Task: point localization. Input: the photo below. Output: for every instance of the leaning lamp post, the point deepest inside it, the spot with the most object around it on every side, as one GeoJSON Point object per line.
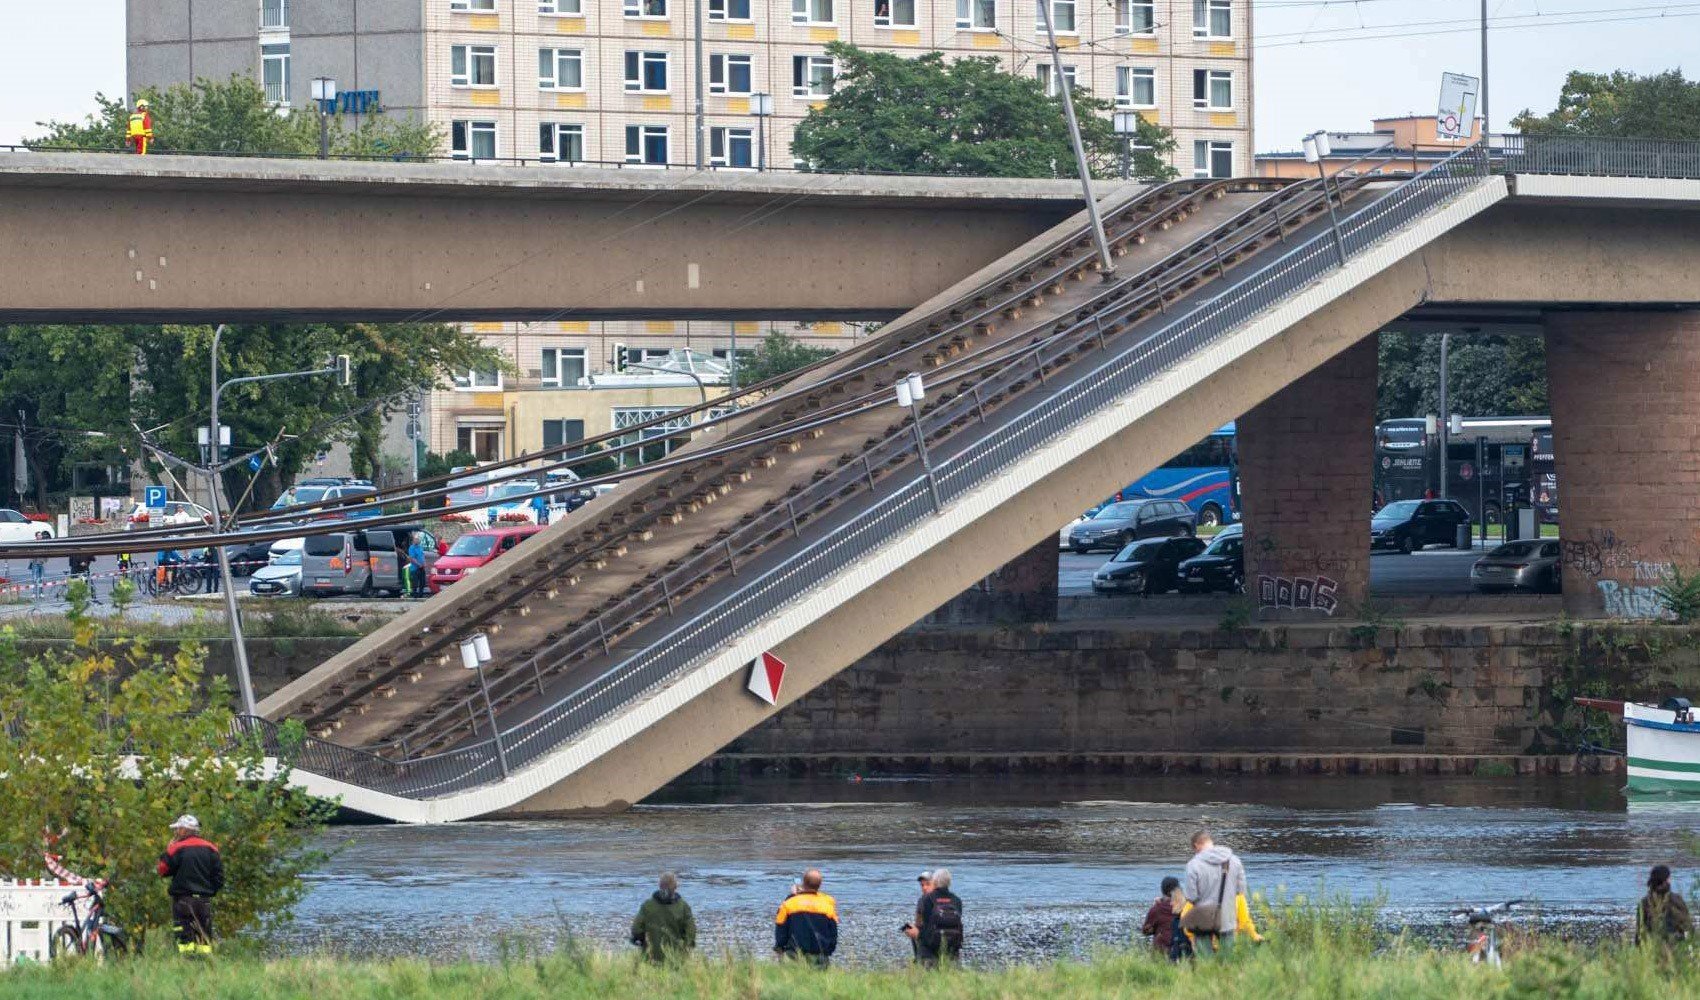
{"type": "Point", "coordinates": [1317, 150]}
{"type": "Point", "coordinates": [474, 653]}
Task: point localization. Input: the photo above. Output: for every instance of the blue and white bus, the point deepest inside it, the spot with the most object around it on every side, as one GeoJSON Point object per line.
{"type": "Point", "coordinates": [1205, 477]}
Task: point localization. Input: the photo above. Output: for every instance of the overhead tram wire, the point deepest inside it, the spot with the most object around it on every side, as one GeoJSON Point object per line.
{"type": "Point", "coordinates": [1471, 29]}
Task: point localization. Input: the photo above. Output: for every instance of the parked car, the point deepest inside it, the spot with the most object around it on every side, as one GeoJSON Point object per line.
{"type": "Point", "coordinates": [1531, 564]}
{"type": "Point", "coordinates": [1221, 566]}
{"type": "Point", "coordinates": [1408, 525]}
{"type": "Point", "coordinates": [1147, 567]}
{"type": "Point", "coordinates": [367, 561]}
{"type": "Point", "coordinates": [176, 512]}
{"type": "Point", "coordinates": [246, 560]}
{"type": "Point", "coordinates": [279, 578]}
{"type": "Point", "coordinates": [474, 550]}
{"type": "Point", "coordinates": [1117, 524]}
{"type": "Point", "coordinates": [15, 527]}
{"type": "Point", "coordinates": [508, 504]}
{"type": "Point", "coordinates": [319, 492]}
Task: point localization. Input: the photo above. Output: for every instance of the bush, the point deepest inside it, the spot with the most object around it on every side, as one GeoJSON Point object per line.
{"type": "Point", "coordinates": [1679, 593]}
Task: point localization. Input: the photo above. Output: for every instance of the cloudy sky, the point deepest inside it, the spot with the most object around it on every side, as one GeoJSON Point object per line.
{"type": "Point", "coordinates": [1319, 63]}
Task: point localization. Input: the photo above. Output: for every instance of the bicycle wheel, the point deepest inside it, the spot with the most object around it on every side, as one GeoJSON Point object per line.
{"type": "Point", "coordinates": [112, 943]}
{"type": "Point", "coordinates": [65, 942]}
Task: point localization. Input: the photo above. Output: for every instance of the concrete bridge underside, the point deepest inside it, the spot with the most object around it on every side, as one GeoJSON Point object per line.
{"type": "Point", "coordinates": [100, 238]}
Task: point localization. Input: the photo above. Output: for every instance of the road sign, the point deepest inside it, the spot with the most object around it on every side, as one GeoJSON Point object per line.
{"type": "Point", "coordinates": [767, 672]}
{"type": "Point", "coordinates": [154, 498]}
{"type": "Point", "coordinates": [1456, 118]}
{"type": "Point", "coordinates": [254, 463]}
{"type": "Point", "coordinates": [1466, 471]}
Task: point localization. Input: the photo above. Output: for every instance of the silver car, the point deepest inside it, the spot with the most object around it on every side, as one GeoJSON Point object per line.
{"type": "Point", "coordinates": [281, 577]}
{"type": "Point", "coordinates": [1534, 564]}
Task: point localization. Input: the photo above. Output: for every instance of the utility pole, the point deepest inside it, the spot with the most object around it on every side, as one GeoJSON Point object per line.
{"type": "Point", "coordinates": [1445, 412]}
{"type": "Point", "coordinates": [1484, 70]}
{"type": "Point", "coordinates": [702, 128]}
{"type": "Point", "coordinates": [215, 464]}
{"type": "Point", "coordinates": [1107, 267]}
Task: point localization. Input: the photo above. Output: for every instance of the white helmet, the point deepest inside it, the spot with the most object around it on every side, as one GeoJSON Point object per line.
{"type": "Point", "coordinates": [186, 822]}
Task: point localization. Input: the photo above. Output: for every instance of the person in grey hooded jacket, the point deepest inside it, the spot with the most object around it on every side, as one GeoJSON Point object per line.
{"type": "Point", "coordinates": [1214, 878]}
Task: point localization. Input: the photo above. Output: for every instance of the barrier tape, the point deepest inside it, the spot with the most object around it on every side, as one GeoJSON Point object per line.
{"type": "Point", "coordinates": [8, 587]}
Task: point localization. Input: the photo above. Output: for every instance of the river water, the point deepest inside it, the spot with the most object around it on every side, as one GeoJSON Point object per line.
{"type": "Point", "coordinates": [1046, 866]}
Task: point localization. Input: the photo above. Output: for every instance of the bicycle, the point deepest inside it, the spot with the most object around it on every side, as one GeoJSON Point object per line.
{"type": "Point", "coordinates": [1482, 944]}
{"type": "Point", "coordinates": [89, 933]}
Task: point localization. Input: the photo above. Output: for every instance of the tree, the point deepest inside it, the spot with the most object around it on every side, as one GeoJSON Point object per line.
{"type": "Point", "coordinates": [777, 355]}
{"type": "Point", "coordinates": [108, 743]}
{"type": "Point", "coordinates": [1490, 375]}
{"type": "Point", "coordinates": [965, 116]}
{"type": "Point", "coordinates": [1624, 105]}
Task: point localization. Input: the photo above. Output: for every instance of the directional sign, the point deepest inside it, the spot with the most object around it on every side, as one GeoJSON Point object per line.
{"type": "Point", "coordinates": [1456, 118]}
{"type": "Point", "coordinates": [766, 673]}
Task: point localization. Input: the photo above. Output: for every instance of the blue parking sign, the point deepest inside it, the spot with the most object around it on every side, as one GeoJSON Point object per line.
{"type": "Point", "coordinates": [154, 497]}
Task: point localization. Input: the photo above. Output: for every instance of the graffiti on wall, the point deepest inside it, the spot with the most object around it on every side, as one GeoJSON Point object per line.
{"type": "Point", "coordinates": [1302, 593]}
{"type": "Point", "coordinates": [1638, 598]}
{"type": "Point", "coordinates": [1600, 552]}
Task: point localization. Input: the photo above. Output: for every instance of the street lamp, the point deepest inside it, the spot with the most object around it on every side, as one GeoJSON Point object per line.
{"type": "Point", "coordinates": [1317, 150]}
{"type": "Point", "coordinates": [1127, 126]}
{"type": "Point", "coordinates": [911, 390]}
{"type": "Point", "coordinates": [324, 95]}
{"type": "Point", "coordinates": [761, 105]}
{"type": "Point", "coordinates": [474, 653]}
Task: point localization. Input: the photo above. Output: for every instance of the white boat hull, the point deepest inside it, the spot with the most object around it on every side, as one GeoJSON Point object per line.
{"type": "Point", "coordinates": [1664, 754]}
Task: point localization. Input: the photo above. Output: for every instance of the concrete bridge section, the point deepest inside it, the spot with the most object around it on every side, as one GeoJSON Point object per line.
{"type": "Point", "coordinates": [104, 238]}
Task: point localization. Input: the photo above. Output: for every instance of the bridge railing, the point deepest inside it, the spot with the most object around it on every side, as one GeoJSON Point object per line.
{"type": "Point", "coordinates": [1587, 156]}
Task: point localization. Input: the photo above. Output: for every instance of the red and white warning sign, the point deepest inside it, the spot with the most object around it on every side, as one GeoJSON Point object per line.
{"type": "Point", "coordinates": [767, 672]}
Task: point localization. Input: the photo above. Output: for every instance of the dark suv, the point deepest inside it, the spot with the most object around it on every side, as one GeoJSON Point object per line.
{"type": "Point", "coordinates": [1408, 525]}
{"type": "Point", "coordinates": [1117, 524]}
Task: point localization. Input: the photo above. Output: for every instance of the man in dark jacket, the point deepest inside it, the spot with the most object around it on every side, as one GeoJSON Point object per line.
{"type": "Point", "coordinates": [665, 928]}
{"type": "Point", "coordinates": [807, 923]}
{"type": "Point", "coordinates": [197, 875]}
{"type": "Point", "coordinates": [941, 922]}
{"type": "Point", "coordinates": [1663, 915]}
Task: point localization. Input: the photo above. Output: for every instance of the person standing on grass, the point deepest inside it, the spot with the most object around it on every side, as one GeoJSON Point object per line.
{"type": "Point", "coordinates": [806, 926]}
{"type": "Point", "coordinates": [1159, 923]}
{"type": "Point", "coordinates": [665, 928]}
{"type": "Point", "coordinates": [1663, 915]}
{"type": "Point", "coordinates": [941, 922]}
{"type": "Point", "coordinates": [1213, 878]}
{"type": "Point", "coordinates": [196, 872]}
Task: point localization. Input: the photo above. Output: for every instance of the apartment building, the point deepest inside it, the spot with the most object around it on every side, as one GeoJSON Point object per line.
{"type": "Point", "coordinates": [573, 84]}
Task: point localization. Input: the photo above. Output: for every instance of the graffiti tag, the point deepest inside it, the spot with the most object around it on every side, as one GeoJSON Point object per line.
{"type": "Point", "coordinates": [1631, 602]}
{"type": "Point", "coordinates": [1302, 593]}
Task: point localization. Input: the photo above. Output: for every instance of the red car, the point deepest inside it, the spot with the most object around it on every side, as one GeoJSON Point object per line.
{"type": "Point", "coordinates": [475, 549]}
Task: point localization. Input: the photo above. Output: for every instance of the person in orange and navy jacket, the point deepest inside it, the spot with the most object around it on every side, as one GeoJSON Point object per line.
{"type": "Point", "coordinates": [197, 874]}
{"type": "Point", "coordinates": [807, 923]}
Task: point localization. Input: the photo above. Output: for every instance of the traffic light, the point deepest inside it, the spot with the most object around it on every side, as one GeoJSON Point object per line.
{"type": "Point", "coordinates": [617, 363]}
{"type": "Point", "coordinates": [344, 370]}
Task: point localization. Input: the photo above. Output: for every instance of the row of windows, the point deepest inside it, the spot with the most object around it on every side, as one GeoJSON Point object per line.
{"type": "Point", "coordinates": [562, 367]}
{"type": "Point", "coordinates": [1210, 18]}
{"type": "Point", "coordinates": [1136, 86]}
{"type": "Point", "coordinates": [646, 72]}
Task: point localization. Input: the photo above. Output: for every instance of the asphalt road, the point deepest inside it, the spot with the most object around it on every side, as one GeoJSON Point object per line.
{"type": "Point", "coordinates": [1431, 571]}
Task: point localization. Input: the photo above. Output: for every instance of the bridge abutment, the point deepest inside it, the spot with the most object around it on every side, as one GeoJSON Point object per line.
{"type": "Point", "coordinates": [1626, 435]}
{"type": "Point", "coordinates": [1306, 479]}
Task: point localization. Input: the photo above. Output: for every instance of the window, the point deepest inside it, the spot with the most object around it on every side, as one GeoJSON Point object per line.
{"type": "Point", "coordinates": [1212, 158]}
{"type": "Point", "coordinates": [274, 14]}
{"type": "Point", "coordinates": [563, 366]}
{"type": "Point", "coordinates": [646, 144]}
{"type": "Point", "coordinates": [274, 72]}
{"type": "Point", "coordinates": [472, 65]}
{"type": "Point", "coordinates": [631, 416]}
{"type": "Point", "coordinates": [1213, 18]}
{"type": "Point", "coordinates": [477, 380]}
{"type": "Point", "coordinates": [472, 4]}
{"type": "Point", "coordinates": [646, 72]}
{"type": "Point", "coordinates": [731, 147]}
{"type": "Point", "coordinates": [645, 8]}
{"type": "Point", "coordinates": [472, 140]}
{"type": "Point", "coordinates": [1136, 17]}
{"type": "Point", "coordinates": [1062, 13]}
{"type": "Point", "coordinates": [812, 12]}
{"type": "Point", "coordinates": [811, 76]}
{"type": "Point", "coordinates": [574, 8]}
{"type": "Point", "coordinates": [559, 432]}
{"type": "Point", "coordinates": [560, 143]}
{"type": "Point", "coordinates": [560, 69]}
{"type": "Point", "coordinates": [644, 356]}
{"type": "Point", "coordinates": [1044, 72]}
{"type": "Point", "coordinates": [485, 444]}
{"type": "Point", "coordinates": [1136, 87]}
{"type": "Point", "coordinates": [894, 13]}
{"type": "Point", "coordinates": [977, 15]}
{"type": "Point", "coordinates": [728, 74]}
{"type": "Point", "coordinates": [1213, 89]}
{"type": "Point", "coordinates": [728, 10]}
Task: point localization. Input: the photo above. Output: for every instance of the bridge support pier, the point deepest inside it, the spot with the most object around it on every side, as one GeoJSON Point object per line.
{"type": "Point", "coordinates": [1306, 480]}
{"type": "Point", "coordinates": [1626, 439]}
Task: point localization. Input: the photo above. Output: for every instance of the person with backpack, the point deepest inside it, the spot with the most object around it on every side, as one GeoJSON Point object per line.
{"type": "Point", "coordinates": [1213, 879]}
{"type": "Point", "coordinates": [1663, 915]}
{"type": "Point", "coordinates": [665, 928]}
{"type": "Point", "coordinates": [940, 918]}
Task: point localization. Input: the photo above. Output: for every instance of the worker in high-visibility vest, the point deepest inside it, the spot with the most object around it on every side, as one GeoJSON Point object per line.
{"type": "Point", "coordinates": [141, 128]}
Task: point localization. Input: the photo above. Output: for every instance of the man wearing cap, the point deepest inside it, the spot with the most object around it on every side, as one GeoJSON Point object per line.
{"type": "Point", "coordinates": [197, 874]}
{"type": "Point", "coordinates": [913, 931]}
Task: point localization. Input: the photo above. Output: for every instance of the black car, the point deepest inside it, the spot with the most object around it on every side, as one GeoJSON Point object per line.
{"type": "Point", "coordinates": [246, 560]}
{"type": "Point", "coordinates": [1117, 524]}
{"type": "Point", "coordinates": [1221, 566]}
{"type": "Point", "coordinates": [1147, 567]}
{"type": "Point", "coordinates": [1408, 525]}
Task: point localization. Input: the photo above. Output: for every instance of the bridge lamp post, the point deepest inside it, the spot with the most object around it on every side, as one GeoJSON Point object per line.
{"type": "Point", "coordinates": [1317, 150]}
{"type": "Point", "coordinates": [474, 653]}
{"type": "Point", "coordinates": [761, 106]}
{"type": "Point", "coordinates": [324, 95]}
{"type": "Point", "coordinates": [1107, 267]}
{"type": "Point", "coordinates": [1126, 126]}
{"type": "Point", "coordinates": [911, 390]}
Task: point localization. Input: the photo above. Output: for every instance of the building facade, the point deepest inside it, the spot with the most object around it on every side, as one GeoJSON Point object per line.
{"type": "Point", "coordinates": [576, 84]}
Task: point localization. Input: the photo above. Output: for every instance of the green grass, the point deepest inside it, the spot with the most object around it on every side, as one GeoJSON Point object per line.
{"type": "Point", "coordinates": [292, 619]}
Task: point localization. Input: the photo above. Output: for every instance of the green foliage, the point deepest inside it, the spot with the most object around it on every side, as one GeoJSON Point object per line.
{"type": "Point", "coordinates": [965, 116]}
{"type": "Point", "coordinates": [1237, 615]}
{"type": "Point", "coordinates": [436, 465]}
{"type": "Point", "coordinates": [1490, 375]}
{"type": "Point", "coordinates": [1625, 105]}
{"type": "Point", "coordinates": [1679, 593]}
{"type": "Point", "coordinates": [778, 355]}
{"type": "Point", "coordinates": [109, 744]}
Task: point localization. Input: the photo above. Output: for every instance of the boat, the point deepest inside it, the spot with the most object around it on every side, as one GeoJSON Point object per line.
{"type": "Point", "coordinates": [1664, 743]}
